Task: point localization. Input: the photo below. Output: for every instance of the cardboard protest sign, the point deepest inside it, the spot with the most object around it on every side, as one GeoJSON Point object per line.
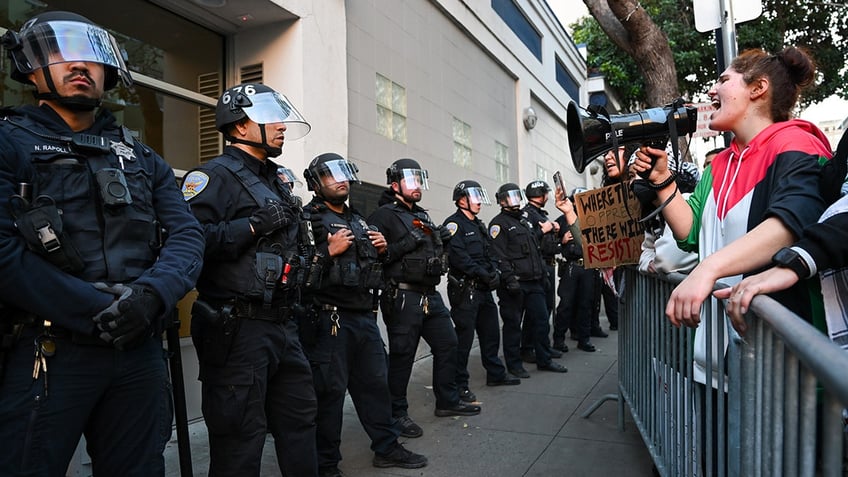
{"type": "Point", "coordinates": [609, 226]}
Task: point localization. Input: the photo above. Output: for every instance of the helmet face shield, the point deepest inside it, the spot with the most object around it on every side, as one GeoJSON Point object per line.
{"type": "Point", "coordinates": [333, 172]}
{"type": "Point", "coordinates": [477, 195]}
{"type": "Point", "coordinates": [288, 177]}
{"type": "Point", "coordinates": [61, 41]}
{"type": "Point", "coordinates": [273, 107]}
{"type": "Point", "coordinates": [513, 198]}
{"type": "Point", "coordinates": [413, 179]}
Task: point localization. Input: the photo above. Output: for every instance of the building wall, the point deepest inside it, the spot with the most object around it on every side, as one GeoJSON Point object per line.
{"type": "Point", "coordinates": [457, 59]}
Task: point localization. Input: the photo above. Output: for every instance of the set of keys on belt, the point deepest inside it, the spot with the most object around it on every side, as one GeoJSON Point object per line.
{"type": "Point", "coordinates": [45, 347]}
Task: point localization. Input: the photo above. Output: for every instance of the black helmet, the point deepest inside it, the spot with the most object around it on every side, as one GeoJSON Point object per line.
{"type": "Point", "coordinates": [332, 165]}
{"type": "Point", "coordinates": [288, 176]}
{"type": "Point", "coordinates": [575, 191]}
{"type": "Point", "coordinates": [511, 194]}
{"type": "Point", "coordinates": [409, 171]}
{"type": "Point", "coordinates": [537, 189]}
{"type": "Point", "coordinates": [60, 37]}
{"type": "Point", "coordinates": [475, 193]}
{"type": "Point", "coordinates": [262, 105]}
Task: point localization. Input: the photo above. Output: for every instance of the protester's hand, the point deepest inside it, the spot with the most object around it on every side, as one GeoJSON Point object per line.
{"type": "Point", "coordinates": [684, 306]}
{"type": "Point", "coordinates": [126, 323]}
{"type": "Point", "coordinates": [339, 242]}
{"type": "Point", "coordinates": [567, 237]}
{"type": "Point", "coordinates": [739, 296]}
{"type": "Point", "coordinates": [648, 157]}
{"type": "Point", "coordinates": [269, 218]}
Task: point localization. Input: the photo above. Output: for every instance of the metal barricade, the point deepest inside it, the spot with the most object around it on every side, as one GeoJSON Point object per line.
{"type": "Point", "coordinates": [785, 388]}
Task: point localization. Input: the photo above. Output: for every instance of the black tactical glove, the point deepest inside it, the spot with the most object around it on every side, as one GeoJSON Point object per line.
{"type": "Point", "coordinates": [493, 280]}
{"type": "Point", "coordinates": [409, 243]}
{"type": "Point", "coordinates": [512, 285]}
{"type": "Point", "coordinates": [126, 323]}
{"type": "Point", "coordinates": [444, 233]}
{"type": "Point", "coordinates": [269, 218]}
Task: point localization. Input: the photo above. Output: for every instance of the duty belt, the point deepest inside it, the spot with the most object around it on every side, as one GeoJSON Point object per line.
{"type": "Point", "coordinates": [249, 310]}
{"type": "Point", "coordinates": [424, 290]}
{"type": "Point", "coordinates": [550, 261]}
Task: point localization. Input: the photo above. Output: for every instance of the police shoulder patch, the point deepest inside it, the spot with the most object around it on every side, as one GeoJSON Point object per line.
{"type": "Point", "coordinates": [494, 230]}
{"type": "Point", "coordinates": [194, 183]}
{"type": "Point", "coordinates": [451, 226]}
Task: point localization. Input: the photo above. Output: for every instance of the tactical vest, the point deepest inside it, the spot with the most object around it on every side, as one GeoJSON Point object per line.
{"type": "Point", "coordinates": [273, 262]}
{"type": "Point", "coordinates": [428, 262]}
{"type": "Point", "coordinates": [354, 273]}
{"type": "Point", "coordinates": [548, 243]}
{"type": "Point", "coordinates": [90, 211]}
{"type": "Point", "coordinates": [523, 251]}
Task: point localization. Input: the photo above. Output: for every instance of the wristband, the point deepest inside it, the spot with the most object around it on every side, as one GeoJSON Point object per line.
{"type": "Point", "coordinates": [663, 184]}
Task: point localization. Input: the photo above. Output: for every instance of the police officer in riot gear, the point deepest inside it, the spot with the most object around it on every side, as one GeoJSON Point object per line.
{"type": "Point", "coordinates": [97, 246]}
{"type": "Point", "coordinates": [342, 339]}
{"type": "Point", "coordinates": [291, 181]}
{"type": "Point", "coordinates": [254, 373]}
{"type": "Point", "coordinates": [412, 308]}
{"type": "Point", "coordinates": [576, 290]}
{"type": "Point", "coordinates": [537, 193]}
{"type": "Point", "coordinates": [472, 277]}
{"type": "Point", "coordinates": [522, 292]}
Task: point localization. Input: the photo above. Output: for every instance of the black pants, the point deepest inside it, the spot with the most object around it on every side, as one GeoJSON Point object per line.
{"type": "Point", "coordinates": [406, 323]}
{"type": "Point", "coordinates": [472, 310]}
{"type": "Point", "coordinates": [353, 360]}
{"type": "Point", "coordinates": [576, 299]}
{"type": "Point", "coordinates": [527, 304]}
{"type": "Point", "coordinates": [265, 385]}
{"type": "Point", "coordinates": [120, 400]}
{"type": "Point", "coordinates": [528, 332]}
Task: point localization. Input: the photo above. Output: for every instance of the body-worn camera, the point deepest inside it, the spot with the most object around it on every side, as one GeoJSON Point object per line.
{"type": "Point", "coordinates": [113, 187]}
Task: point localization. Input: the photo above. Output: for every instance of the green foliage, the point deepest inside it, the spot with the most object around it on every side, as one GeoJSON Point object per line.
{"type": "Point", "coordinates": [820, 27]}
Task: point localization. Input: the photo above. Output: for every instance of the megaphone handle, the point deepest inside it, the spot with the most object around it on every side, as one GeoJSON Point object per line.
{"type": "Point", "coordinates": [646, 174]}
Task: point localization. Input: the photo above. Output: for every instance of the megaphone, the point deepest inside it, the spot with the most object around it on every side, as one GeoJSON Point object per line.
{"type": "Point", "coordinates": [592, 132]}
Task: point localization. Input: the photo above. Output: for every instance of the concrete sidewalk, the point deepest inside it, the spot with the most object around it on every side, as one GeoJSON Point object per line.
{"type": "Point", "coordinates": [533, 429]}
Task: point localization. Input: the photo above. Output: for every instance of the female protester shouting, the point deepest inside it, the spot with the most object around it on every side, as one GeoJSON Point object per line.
{"type": "Point", "coordinates": [759, 194]}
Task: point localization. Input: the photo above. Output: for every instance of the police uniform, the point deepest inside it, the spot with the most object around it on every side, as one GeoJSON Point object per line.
{"type": "Point", "coordinates": [411, 306]}
{"type": "Point", "coordinates": [99, 203]}
{"type": "Point", "coordinates": [472, 306]}
{"type": "Point", "coordinates": [549, 247]}
{"type": "Point", "coordinates": [517, 250]}
{"type": "Point", "coordinates": [254, 372]}
{"type": "Point", "coordinates": [342, 340]}
{"type": "Point", "coordinates": [576, 292]}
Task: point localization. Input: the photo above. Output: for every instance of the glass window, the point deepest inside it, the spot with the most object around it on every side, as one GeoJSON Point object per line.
{"type": "Point", "coordinates": [391, 109]}
{"type": "Point", "coordinates": [520, 25]}
{"type": "Point", "coordinates": [541, 173]}
{"type": "Point", "coordinates": [461, 144]}
{"type": "Point", "coordinates": [159, 44]}
{"type": "Point", "coordinates": [567, 81]}
{"type": "Point", "coordinates": [501, 163]}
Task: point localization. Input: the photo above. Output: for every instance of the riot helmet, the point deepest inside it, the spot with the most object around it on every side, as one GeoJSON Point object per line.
{"type": "Point", "coordinates": [575, 191]}
{"type": "Point", "coordinates": [472, 190]}
{"type": "Point", "coordinates": [328, 169]}
{"type": "Point", "coordinates": [288, 177]}
{"type": "Point", "coordinates": [536, 189]}
{"type": "Point", "coordinates": [408, 172]}
{"type": "Point", "coordinates": [262, 105]}
{"type": "Point", "coordinates": [62, 37]}
{"type": "Point", "coordinates": [510, 196]}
